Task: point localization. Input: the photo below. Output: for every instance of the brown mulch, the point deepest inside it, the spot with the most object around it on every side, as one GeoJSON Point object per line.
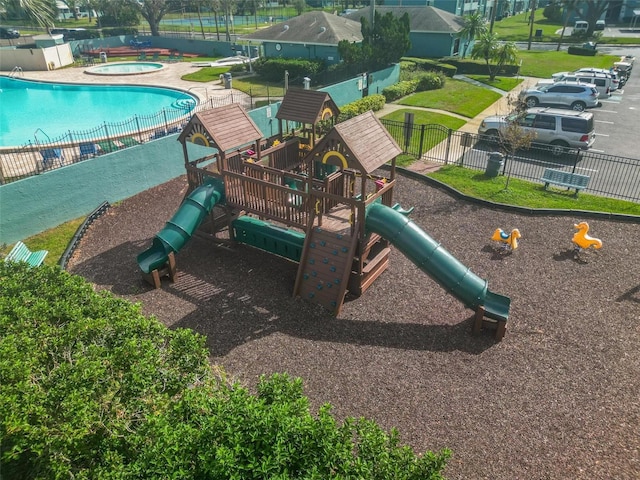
{"type": "Point", "coordinates": [558, 398]}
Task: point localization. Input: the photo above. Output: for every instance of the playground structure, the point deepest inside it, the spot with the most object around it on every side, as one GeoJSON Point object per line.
{"type": "Point", "coordinates": [320, 202]}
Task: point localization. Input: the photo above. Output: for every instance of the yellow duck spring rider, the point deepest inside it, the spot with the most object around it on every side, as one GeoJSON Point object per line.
{"type": "Point", "coordinates": [582, 240]}
{"type": "Point", "coordinates": [508, 241]}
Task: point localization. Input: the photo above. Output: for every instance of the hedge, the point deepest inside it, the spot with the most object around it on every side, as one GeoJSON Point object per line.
{"type": "Point", "coordinates": [373, 102]}
{"type": "Point", "coordinates": [586, 52]}
{"type": "Point", "coordinates": [92, 389]}
{"type": "Point", "coordinates": [478, 67]}
{"type": "Point", "coordinates": [420, 82]}
{"type": "Point", "coordinates": [272, 69]}
{"type": "Point", "coordinates": [432, 65]}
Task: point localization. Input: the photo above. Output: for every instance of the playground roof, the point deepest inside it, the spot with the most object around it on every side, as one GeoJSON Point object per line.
{"type": "Point", "coordinates": [306, 106]}
{"type": "Point", "coordinates": [225, 128]}
{"type": "Point", "coordinates": [363, 141]}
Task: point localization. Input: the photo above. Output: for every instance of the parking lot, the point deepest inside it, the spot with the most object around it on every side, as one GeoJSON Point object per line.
{"type": "Point", "coordinates": [615, 118]}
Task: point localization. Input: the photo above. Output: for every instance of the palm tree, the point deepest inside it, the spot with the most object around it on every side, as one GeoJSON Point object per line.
{"type": "Point", "coordinates": [42, 12]}
{"type": "Point", "coordinates": [474, 26]}
{"type": "Point", "coordinates": [491, 50]}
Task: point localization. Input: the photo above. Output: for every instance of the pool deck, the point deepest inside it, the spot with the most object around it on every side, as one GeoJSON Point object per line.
{"type": "Point", "coordinates": [170, 76]}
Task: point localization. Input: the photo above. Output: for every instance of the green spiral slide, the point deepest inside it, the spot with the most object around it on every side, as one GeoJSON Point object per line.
{"type": "Point", "coordinates": [435, 261]}
{"type": "Point", "coordinates": [177, 231]}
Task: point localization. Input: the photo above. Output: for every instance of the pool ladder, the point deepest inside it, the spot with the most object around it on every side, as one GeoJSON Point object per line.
{"type": "Point", "coordinates": [16, 70]}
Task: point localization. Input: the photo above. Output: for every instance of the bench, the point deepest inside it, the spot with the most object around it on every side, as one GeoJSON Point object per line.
{"type": "Point", "coordinates": [20, 253]}
{"type": "Point", "coordinates": [565, 179]}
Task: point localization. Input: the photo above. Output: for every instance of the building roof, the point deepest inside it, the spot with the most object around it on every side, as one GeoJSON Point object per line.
{"type": "Point", "coordinates": [317, 28]}
{"type": "Point", "coordinates": [225, 128]}
{"type": "Point", "coordinates": [421, 19]}
{"type": "Point", "coordinates": [306, 106]}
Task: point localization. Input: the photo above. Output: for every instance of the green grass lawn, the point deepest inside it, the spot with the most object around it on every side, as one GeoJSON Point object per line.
{"type": "Point", "coordinates": [527, 194]}
{"type": "Point", "coordinates": [423, 118]}
{"type": "Point", "coordinates": [55, 241]}
{"type": "Point", "coordinates": [456, 96]}
{"type": "Point", "coordinates": [503, 83]}
{"type": "Point", "coordinates": [541, 64]}
{"type": "Point", "coordinates": [206, 74]}
{"type": "Point", "coordinates": [252, 85]}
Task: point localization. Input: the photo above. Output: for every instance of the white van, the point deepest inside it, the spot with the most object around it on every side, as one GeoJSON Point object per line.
{"type": "Point", "coordinates": [600, 81]}
{"type": "Point", "coordinates": [580, 27]}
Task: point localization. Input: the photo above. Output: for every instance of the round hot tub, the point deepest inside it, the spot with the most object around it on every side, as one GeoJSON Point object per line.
{"type": "Point", "coordinates": [125, 68]}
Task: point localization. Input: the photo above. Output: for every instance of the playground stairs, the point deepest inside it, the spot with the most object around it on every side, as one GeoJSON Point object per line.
{"type": "Point", "coordinates": [371, 263]}
{"type": "Point", "coordinates": [325, 266]}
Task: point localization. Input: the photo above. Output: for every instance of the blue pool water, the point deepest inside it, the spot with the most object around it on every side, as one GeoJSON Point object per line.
{"type": "Point", "coordinates": [127, 68]}
{"type": "Point", "coordinates": [52, 109]}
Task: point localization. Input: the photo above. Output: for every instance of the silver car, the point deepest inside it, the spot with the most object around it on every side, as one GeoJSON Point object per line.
{"type": "Point", "coordinates": [576, 97]}
{"type": "Point", "coordinates": [562, 130]}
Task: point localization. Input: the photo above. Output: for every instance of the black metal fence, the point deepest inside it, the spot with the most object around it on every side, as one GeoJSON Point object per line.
{"type": "Point", "coordinates": [610, 175]}
{"type": "Point", "coordinates": [42, 155]}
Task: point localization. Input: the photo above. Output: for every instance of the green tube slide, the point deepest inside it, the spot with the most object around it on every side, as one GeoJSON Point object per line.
{"type": "Point", "coordinates": [435, 261]}
{"type": "Point", "coordinates": [177, 231]}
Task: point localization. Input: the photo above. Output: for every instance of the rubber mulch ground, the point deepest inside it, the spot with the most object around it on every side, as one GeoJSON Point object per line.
{"type": "Point", "coordinates": [558, 398]}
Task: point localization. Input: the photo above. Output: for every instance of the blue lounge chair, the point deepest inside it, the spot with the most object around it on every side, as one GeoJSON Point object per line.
{"type": "Point", "coordinates": [49, 156]}
{"type": "Point", "coordinates": [89, 149]}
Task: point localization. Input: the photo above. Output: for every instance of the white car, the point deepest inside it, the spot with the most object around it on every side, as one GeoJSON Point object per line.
{"type": "Point", "coordinates": [577, 97]}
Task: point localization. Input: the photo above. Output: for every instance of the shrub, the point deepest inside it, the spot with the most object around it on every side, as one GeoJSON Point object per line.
{"type": "Point", "coordinates": [399, 90]}
{"type": "Point", "coordinates": [272, 69]}
{"type": "Point", "coordinates": [428, 65]}
{"type": "Point", "coordinates": [430, 81]}
{"type": "Point", "coordinates": [478, 67]}
{"type": "Point", "coordinates": [90, 388]}
{"type": "Point", "coordinates": [586, 52]}
{"type": "Point", "coordinates": [373, 102]}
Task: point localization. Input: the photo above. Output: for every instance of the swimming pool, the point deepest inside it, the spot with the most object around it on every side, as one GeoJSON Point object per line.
{"type": "Point", "coordinates": [55, 109]}
{"type": "Point", "coordinates": [125, 68]}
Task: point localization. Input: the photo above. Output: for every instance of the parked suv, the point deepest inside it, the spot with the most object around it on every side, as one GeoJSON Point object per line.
{"type": "Point", "coordinates": [6, 32]}
{"type": "Point", "coordinates": [601, 82]}
{"type": "Point", "coordinates": [577, 97]}
{"type": "Point", "coordinates": [562, 130]}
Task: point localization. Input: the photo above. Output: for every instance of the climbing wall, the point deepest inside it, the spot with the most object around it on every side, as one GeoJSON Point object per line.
{"type": "Point", "coordinates": [325, 267]}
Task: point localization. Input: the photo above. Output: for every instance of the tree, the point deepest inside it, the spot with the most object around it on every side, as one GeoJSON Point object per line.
{"type": "Point", "coordinates": [152, 11]}
{"type": "Point", "coordinates": [474, 26]}
{"type": "Point", "coordinates": [118, 13]}
{"type": "Point", "coordinates": [489, 48]}
{"type": "Point", "coordinates": [513, 136]}
{"type": "Point", "coordinates": [386, 41]}
{"type": "Point", "coordinates": [588, 10]}
{"type": "Point", "coordinates": [553, 11]}
{"type": "Point", "coordinates": [41, 12]}
{"type": "Point", "coordinates": [299, 5]}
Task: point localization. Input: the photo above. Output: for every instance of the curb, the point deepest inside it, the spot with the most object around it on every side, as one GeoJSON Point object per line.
{"type": "Point", "coordinates": [514, 208]}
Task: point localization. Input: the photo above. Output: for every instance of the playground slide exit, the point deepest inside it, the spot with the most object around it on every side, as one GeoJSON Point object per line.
{"type": "Point", "coordinates": [184, 222]}
{"type": "Point", "coordinates": [435, 261]}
